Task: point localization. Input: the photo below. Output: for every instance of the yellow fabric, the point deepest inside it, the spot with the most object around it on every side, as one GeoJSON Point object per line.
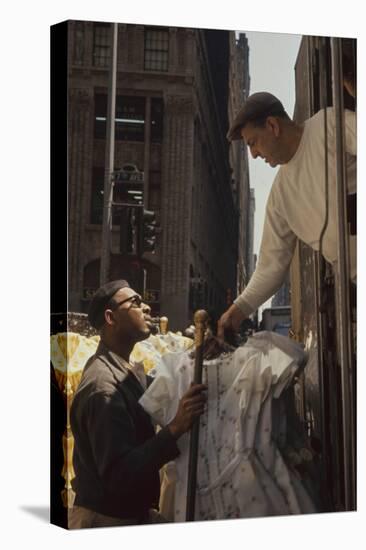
{"type": "Point", "coordinates": [69, 354]}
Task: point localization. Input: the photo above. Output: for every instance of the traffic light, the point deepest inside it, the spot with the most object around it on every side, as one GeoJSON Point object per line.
{"type": "Point", "coordinates": [147, 231]}
{"type": "Point", "coordinates": [127, 230]}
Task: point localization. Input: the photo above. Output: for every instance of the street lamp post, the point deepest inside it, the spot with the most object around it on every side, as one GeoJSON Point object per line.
{"type": "Point", "coordinates": [109, 162]}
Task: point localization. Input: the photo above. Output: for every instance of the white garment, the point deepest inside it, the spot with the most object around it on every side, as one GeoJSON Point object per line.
{"type": "Point", "coordinates": [240, 471]}
{"type": "Point", "coordinates": [296, 208]}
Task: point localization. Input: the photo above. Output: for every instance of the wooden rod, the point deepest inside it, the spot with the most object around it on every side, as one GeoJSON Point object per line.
{"type": "Point", "coordinates": [200, 321]}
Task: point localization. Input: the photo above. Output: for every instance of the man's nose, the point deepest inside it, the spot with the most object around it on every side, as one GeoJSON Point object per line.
{"type": "Point", "coordinates": [146, 308]}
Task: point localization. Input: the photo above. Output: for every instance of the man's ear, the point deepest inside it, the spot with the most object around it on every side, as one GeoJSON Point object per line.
{"type": "Point", "coordinates": [108, 317]}
{"type": "Point", "coordinates": [272, 123]}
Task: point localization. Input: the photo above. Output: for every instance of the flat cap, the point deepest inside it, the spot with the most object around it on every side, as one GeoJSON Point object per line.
{"type": "Point", "coordinates": [100, 301]}
{"type": "Point", "coordinates": [257, 105]}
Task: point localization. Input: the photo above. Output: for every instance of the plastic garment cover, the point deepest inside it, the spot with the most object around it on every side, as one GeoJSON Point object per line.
{"type": "Point", "coordinates": [241, 472]}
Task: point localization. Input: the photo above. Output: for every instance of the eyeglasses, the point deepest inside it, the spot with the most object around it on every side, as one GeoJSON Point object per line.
{"type": "Point", "coordinates": [135, 300]}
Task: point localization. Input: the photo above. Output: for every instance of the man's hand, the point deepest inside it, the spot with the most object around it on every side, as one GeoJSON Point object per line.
{"type": "Point", "coordinates": [230, 320]}
{"type": "Point", "coordinates": [190, 407]}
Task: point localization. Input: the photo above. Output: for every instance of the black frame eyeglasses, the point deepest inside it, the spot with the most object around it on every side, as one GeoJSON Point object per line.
{"type": "Point", "coordinates": [135, 299]}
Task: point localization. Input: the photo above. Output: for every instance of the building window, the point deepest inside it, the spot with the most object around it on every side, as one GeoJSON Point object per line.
{"type": "Point", "coordinates": [156, 50]}
{"type": "Point", "coordinates": [100, 118]}
{"type": "Point", "coordinates": [78, 56]}
{"type": "Point", "coordinates": [101, 44]}
{"type": "Point", "coordinates": [157, 114]}
{"type": "Point", "coordinates": [130, 118]}
{"type": "Point", "coordinates": [96, 209]}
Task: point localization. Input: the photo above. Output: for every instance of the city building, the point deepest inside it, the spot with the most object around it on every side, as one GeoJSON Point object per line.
{"type": "Point", "coordinates": [177, 91]}
{"type": "Point", "coordinates": [239, 85]}
{"type": "Point", "coordinates": [282, 296]}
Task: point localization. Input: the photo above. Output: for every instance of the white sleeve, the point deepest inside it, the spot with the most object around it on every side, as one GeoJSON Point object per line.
{"type": "Point", "coordinates": [275, 255]}
{"type": "Point", "coordinates": [351, 132]}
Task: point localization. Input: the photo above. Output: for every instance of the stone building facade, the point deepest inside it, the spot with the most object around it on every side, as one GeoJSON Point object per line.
{"type": "Point", "coordinates": [239, 85]}
{"type": "Point", "coordinates": [177, 91]}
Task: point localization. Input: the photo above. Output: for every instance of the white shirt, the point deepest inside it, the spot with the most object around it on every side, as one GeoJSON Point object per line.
{"type": "Point", "coordinates": [241, 472]}
{"type": "Point", "coordinates": [296, 208]}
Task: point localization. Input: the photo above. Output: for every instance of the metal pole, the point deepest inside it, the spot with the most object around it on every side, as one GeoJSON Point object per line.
{"type": "Point", "coordinates": [109, 162]}
{"type": "Point", "coordinates": [343, 286]}
{"type": "Point", "coordinates": [319, 272]}
{"type": "Point", "coordinates": [147, 154]}
{"type": "Point", "coordinates": [144, 276]}
{"type": "Point", "coordinates": [200, 320]}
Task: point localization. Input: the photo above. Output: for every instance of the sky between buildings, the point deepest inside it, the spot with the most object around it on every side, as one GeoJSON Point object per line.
{"type": "Point", "coordinates": [272, 60]}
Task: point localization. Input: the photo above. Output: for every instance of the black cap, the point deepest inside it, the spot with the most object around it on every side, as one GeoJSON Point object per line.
{"type": "Point", "coordinates": [257, 105]}
{"type": "Point", "coordinates": [101, 299]}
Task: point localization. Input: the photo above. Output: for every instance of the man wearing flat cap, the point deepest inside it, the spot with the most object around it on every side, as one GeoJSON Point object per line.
{"type": "Point", "coordinates": [117, 453]}
{"type": "Point", "coordinates": [297, 205]}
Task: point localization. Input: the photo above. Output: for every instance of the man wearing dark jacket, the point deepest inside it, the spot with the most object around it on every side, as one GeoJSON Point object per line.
{"type": "Point", "coordinates": [117, 454]}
